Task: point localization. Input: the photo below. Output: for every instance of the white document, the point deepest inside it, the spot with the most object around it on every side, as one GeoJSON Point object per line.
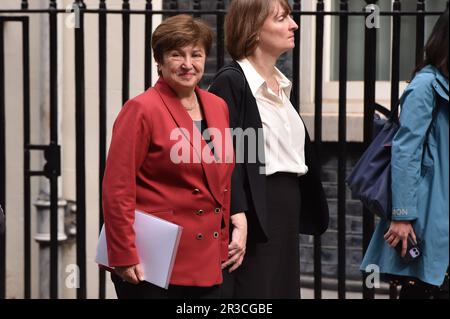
{"type": "Point", "coordinates": [156, 243]}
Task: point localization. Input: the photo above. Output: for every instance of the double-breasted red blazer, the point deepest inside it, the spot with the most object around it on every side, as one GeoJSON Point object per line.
{"type": "Point", "coordinates": [145, 171]}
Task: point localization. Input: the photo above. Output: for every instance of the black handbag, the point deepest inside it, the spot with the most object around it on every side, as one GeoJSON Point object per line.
{"type": "Point", "coordinates": [370, 179]}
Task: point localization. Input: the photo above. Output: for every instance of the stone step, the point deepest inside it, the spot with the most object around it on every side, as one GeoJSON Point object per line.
{"type": "Point", "coordinates": [330, 239]}
{"type": "Point", "coordinates": [351, 285]}
{"type": "Point", "coordinates": [329, 255]}
{"type": "Point", "coordinates": [331, 270]}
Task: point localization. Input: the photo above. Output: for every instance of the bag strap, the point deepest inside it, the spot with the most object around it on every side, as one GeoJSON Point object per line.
{"type": "Point", "coordinates": [434, 115]}
{"type": "Point", "coordinates": [394, 117]}
{"type": "Point", "coordinates": [242, 107]}
{"type": "Point", "coordinates": [232, 68]}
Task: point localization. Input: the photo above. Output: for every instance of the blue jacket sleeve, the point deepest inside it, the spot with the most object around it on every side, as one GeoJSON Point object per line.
{"type": "Point", "coordinates": [408, 146]}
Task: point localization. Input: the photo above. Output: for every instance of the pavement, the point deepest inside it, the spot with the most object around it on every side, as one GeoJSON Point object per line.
{"type": "Point", "coordinates": [330, 294]}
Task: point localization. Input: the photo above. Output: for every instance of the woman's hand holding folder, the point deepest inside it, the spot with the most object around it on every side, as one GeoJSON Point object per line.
{"type": "Point", "coordinates": [132, 274]}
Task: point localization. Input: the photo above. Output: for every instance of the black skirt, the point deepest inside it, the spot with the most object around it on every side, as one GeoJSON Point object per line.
{"type": "Point", "coordinates": [272, 269]}
{"type": "Point", "coordinates": [146, 290]}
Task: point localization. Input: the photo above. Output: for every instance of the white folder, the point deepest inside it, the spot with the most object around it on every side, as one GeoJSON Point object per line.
{"type": "Point", "coordinates": [156, 243]}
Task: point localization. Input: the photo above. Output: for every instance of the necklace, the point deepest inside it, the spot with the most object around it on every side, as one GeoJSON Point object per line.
{"type": "Point", "coordinates": [190, 108]}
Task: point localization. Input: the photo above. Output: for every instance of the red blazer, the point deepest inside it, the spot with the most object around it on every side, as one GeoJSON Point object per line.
{"type": "Point", "coordinates": [140, 175]}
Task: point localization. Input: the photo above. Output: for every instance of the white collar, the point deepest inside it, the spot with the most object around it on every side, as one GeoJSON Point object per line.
{"type": "Point", "coordinates": [255, 80]}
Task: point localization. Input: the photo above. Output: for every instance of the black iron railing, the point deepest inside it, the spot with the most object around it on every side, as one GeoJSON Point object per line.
{"type": "Point", "coordinates": [52, 151]}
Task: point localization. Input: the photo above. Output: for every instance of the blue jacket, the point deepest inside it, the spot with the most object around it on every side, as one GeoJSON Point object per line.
{"type": "Point", "coordinates": [420, 180]}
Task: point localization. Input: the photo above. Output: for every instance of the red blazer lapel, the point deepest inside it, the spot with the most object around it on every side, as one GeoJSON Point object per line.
{"type": "Point", "coordinates": [216, 125]}
{"type": "Point", "coordinates": [184, 121]}
{"type": "Point", "coordinates": [180, 116]}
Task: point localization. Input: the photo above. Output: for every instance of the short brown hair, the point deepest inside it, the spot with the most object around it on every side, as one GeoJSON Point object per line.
{"type": "Point", "coordinates": [178, 31]}
{"type": "Point", "coordinates": [243, 22]}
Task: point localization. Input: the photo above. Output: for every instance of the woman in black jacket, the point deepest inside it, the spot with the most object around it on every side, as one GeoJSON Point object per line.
{"type": "Point", "coordinates": [276, 184]}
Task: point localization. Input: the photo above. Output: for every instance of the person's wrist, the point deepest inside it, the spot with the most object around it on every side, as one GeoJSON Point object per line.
{"type": "Point", "coordinates": [239, 220]}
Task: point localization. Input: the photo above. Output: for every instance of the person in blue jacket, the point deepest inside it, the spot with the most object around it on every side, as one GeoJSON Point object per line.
{"type": "Point", "coordinates": [420, 180]}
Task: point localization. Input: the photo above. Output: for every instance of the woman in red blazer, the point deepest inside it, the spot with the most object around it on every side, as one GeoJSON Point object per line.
{"type": "Point", "coordinates": [159, 163]}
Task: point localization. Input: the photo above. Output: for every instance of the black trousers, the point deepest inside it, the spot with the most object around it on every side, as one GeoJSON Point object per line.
{"type": "Point", "coordinates": [272, 269]}
{"type": "Point", "coordinates": [415, 289]}
{"type": "Point", "coordinates": [146, 290]}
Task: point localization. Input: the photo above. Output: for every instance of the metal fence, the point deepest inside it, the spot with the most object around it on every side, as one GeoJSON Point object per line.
{"type": "Point", "coordinates": [52, 151]}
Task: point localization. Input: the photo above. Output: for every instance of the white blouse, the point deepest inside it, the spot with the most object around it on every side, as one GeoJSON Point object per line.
{"type": "Point", "coordinates": [284, 131]}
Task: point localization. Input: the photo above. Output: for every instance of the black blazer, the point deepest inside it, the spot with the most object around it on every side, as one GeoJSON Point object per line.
{"type": "Point", "coordinates": [248, 186]}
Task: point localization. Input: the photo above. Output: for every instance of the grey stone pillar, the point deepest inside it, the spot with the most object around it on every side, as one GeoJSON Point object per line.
{"type": "Point", "coordinates": [43, 238]}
